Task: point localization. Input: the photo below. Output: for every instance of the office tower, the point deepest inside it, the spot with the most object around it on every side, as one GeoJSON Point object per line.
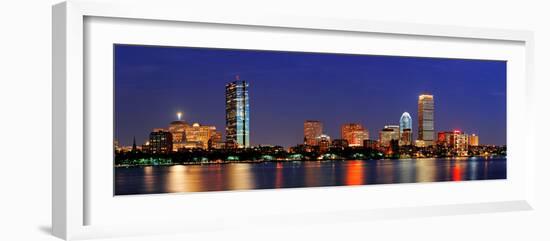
{"type": "Point", "coordinates": [354, 133]}
{"type": "Point", "coordinates": [405, 129]}
{"type": "Point", "coordinates": [426, 125]}
{"type": "Point", "coordinates": [389, 133]}
{"type": "Point", "coordinates": [237, 112]}
{"type": "Point", "coordinates": [160, 142]}
{"type": "Point", "coordinates": [473, 140]}
{"type": "Point", "coordinates": [312, 130]}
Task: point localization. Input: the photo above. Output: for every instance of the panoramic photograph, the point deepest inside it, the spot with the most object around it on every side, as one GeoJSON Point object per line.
{"type": "Point", "coordinates": [191, 119]}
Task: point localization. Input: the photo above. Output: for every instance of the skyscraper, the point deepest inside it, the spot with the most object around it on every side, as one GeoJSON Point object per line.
{"type": "Point", "coordinates": [237, 118]}
{"type": "Point", "coordinates": [354, 133]}
{"type": "Point", "coordinates": [426, 130]}
{"type": "Point", "coordinates": [312, 130]}
{"type": "Point", "coordinates": [405, 129]}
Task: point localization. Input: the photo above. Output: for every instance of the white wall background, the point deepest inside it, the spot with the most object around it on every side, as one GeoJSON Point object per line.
{"type": "Point", "coordinates": [25, 119]}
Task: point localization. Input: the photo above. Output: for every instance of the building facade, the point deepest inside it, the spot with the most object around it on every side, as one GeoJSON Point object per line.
{"type": "Point", "coordinates": [312, 130]}
{"type": "Point", "coordinates": [197, 136]}
{"type": "Point", "coordinates": [177, 129]}
{"type": "Point", "coordinates": [426, 125]}
{"type": "Point", "coordinates": [160, 142]}
{"type": "Point", "coordinates": [323, 142]}
{"type": "Point", "coordinates": [354, 133]}
{"type": "Point", "coordinates": [389, 133]}
{"type": "Point", "coordinates": [405, 129]}
{"type": "Point", "coordinates": [237, 111]}
{"type": "Point", "coordinates": [473, 140]}
{"type": "Point", "coordinates": [456, 141]}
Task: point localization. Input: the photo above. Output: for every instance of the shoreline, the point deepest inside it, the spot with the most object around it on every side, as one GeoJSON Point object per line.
{"type": "Point", "coordinates": [311, 160]}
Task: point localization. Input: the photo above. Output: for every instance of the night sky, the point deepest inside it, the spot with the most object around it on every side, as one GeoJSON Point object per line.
{"type": "Point", "coordinates": [152, 83]}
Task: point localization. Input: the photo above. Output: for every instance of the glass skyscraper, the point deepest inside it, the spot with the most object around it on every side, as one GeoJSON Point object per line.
{"type": "Point", "coordinates": [426, 130]}
{"type": "Point", "coordinates": [237, 109]}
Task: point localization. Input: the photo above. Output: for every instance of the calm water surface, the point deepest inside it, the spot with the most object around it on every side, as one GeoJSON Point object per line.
{"type": "Point", "coordinates": [241, 176]}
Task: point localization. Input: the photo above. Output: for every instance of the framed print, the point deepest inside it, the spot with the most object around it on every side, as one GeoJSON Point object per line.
{"type": "Point", "coordinates": [206, 122]}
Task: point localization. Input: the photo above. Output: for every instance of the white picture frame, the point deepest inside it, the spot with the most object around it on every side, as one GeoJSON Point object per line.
{"type": "Point", "coordinates": [73, 192]}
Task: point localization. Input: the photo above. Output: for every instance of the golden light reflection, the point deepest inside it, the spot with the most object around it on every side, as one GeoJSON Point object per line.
{"type": "Point", "coordinates": [149, 179]}
{"type": "Point", "coordinates": [240, 176]}
{"type": "Point", "coordinates": [426, 170]}
{"type": "Point", "coordinates": [354, 172]}
{"type": "Point", "coordinates": [177, 180]}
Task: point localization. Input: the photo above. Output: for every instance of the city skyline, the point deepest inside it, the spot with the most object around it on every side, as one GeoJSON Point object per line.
{"type": "Point", "coordinates": [286, 135]}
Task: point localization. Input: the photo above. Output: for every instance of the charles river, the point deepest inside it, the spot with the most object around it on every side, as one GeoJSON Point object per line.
{"type": "Point", "coordinates": [242, 176]}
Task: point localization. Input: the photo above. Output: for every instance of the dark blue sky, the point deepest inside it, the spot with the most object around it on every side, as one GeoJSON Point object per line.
{"type": "Point", "coordinates": [286, 88]}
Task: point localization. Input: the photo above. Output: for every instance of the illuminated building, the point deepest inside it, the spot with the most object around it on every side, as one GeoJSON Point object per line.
{"type": "Point", "coordinates": [117, 146]}
{"type": "Point", "coordinates": [160, 142]}
{"type": "Point", "coordinates": [473, 140]}
{"type": "Point", "coordinates": [389, 133]}
{"type": "Point", "coordinates": [323, 142]}
{"type": "Point", "coordinates": [406, 137]}
{"type": "Point", "coordinates": [456, 140]}
{"type": "Point", "coordinates": [237, 114]}
{"type": "Point", "coordinates": [354, 133]}
{"type": "Point", "coordinates": [340, 143]}
{"type": "Point", "coordinates": [405, 129]}
{"type": "Point", "coordinates": [177, 129]}
{"type": "Point", "coordinates": [426, 125]}
{"type": "Point", "coordinates": [215, 141]}
{"type": "Point", "coordinates": [444, 138]}
{"type": "Point", "coordinates": [145, 147]}
{"type": "Point", "coordinates": [371, 144]}
{"type": "Point", "coordinates": [197, 136]}
{"type": "Point", "coordinates": [312, 130]}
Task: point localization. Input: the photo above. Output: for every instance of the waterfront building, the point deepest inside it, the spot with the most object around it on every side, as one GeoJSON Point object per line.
{"type": "Point", "coordinates": [312, 130]}
{"type": "Point", "coordinates": [405, 129]}
{"type": "Point", "coordinates": [177, 129]}
{"type": "Point", "coordinates": [215, 141]}
{"type": "Point", "coordinates": [406, 137]}
{"type": "Point", "coordinates": [340, 143]}
{"type": "Point", "coordinates": [426, 125]}
{"type": "Point", "coordinates": [371, 144]}
{"type": "Point", "coordinates": [456, 141]}
{"type": "Point", "coordinates": [324, 143]}
{"type": "Point", "coordinates": [197, 136]}
{"type": "Point", "coordinates": [354, 134]}
{"type": "Point", "coordinates": [160, 142]}
{"type": "Point", "coordinates": [473, 140]}
{"type": "Point", "coordinates": [389, 133]}
{"type": "Point", "coordinates": [237, 111]}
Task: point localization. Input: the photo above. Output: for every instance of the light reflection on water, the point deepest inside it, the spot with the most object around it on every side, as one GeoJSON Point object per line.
{"type": "Point", "coordinates": [243, 176]}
